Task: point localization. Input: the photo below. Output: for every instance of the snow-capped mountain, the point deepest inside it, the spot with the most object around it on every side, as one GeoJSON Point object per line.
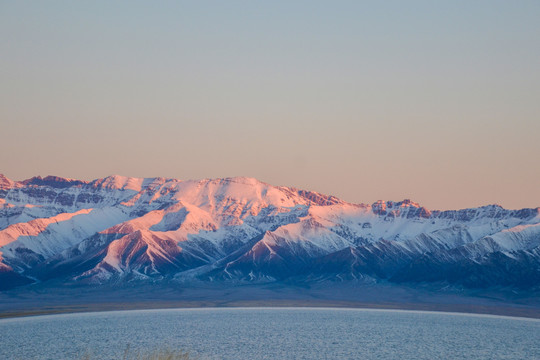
{"type": "Point", "coordinates": [241, 229]}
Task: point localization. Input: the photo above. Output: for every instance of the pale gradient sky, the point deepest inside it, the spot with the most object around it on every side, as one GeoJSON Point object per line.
{"type": "Point", "coordinates": [434, 101]}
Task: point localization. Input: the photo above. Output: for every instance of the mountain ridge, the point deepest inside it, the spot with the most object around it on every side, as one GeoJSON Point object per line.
{"type": "Point", "coordinates": [123, 229]}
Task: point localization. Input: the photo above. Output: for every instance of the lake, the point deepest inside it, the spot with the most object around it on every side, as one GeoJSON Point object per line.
{"type": "Point", "coordinates": [272, 333]}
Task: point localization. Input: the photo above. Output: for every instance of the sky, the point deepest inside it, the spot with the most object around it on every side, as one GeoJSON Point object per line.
{"type": "Point", "coordinates": [434, 101]}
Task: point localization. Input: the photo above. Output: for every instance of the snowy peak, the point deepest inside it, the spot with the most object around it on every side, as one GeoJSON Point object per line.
{"type": "Point", "coordinates": [5, 183]}
{"type": "Point", "coordinates": [53, 181]}
{"type": "Point", "coordinates": [405, 208]}
{"type": "Point", "coordinates": [319, 199]}
{"type": "Point", "coordinates": [117, 182]}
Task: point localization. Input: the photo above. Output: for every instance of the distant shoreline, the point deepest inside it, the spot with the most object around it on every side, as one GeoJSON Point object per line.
{"type": "Point", "coordinates": [46, 300]}
{"type": "Point", "coordinates": [510, 311]}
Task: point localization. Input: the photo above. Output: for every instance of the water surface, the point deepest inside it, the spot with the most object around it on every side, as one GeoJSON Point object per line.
{"type": "Point", "coordinates": [272, 333]}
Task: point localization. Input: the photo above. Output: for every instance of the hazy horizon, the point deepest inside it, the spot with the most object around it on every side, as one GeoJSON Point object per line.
{"type": "Point", "coordinates": [435, 102]}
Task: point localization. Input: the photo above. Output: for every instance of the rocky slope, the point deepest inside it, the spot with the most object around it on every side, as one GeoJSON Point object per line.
{"type": "Point", "coordinates": [240, 229]}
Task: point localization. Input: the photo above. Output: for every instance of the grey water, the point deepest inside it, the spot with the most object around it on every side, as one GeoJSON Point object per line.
{"type": "Point", "coordinates": [272, 333]}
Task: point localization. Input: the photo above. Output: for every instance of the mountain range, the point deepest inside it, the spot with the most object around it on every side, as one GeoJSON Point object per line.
{"type": "Point", "coordinates": [121, 230]}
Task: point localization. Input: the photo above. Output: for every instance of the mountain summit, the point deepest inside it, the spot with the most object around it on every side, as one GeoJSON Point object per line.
{"type": "Point", "coordinates": [239, 229]}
